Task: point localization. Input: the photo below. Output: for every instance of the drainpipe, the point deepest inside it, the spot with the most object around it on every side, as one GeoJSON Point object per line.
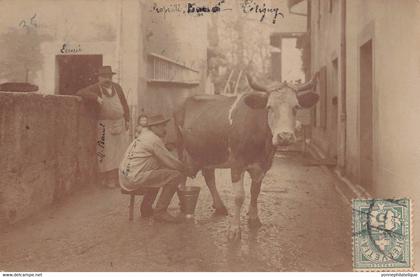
{"type": "Point", "coordinates": [343, 115]}
{"type": "Point", "coordinates": [296, 13]}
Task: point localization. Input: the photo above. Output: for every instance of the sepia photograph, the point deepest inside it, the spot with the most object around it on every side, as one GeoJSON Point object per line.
{"type": "Point", "coordinates": [209, 136]}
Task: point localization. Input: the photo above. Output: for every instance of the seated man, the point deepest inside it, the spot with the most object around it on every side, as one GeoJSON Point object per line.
{"type": "Point", "coordinates": [148, 164]}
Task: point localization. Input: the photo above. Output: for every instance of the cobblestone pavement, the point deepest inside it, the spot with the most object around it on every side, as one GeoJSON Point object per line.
{"type": "Point", "coordinates": [306, 227]}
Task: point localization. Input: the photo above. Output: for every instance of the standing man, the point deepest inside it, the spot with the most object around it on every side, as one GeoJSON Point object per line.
{"type": "Point", "coordinates": [148, 164]}
{"type": "Point", "coordinates": [109, 104]}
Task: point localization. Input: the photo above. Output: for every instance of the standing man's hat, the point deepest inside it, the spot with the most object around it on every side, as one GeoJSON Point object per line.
{"type": "Point", "coordinates": [105, 70]}
{"type": "Point", "coordinates": [156, 120]}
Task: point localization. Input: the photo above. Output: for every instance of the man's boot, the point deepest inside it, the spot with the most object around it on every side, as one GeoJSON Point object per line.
{"type": "Point", "coordinates": [160, 213]}
{"type": "Point", "coordinates": [146, 209]}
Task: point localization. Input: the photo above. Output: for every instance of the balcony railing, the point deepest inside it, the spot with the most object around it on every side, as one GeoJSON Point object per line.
{"type": "Point", "coordinates": [163, 70]}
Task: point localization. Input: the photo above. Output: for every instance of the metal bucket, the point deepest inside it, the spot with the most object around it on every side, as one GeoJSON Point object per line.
{"type": "Point", "coordinates": [188, 198]}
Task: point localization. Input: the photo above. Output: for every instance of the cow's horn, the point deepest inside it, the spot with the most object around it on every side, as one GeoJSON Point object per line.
{"type": "Point", "coordinates": [255, 85]}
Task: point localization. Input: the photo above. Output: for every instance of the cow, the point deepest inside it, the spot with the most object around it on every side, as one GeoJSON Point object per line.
{"type": "Point", "coordinates": [240, 133]}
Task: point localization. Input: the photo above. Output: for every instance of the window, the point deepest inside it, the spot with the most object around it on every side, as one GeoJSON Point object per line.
{"type": "Point", "coordinates": [163, 70]}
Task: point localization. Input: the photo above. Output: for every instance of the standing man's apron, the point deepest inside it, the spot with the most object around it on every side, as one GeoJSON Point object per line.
{"type": "Point", "coordinates": [112, 137]}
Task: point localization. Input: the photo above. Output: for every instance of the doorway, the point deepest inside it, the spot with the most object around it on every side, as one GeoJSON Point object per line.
{"type": "Point", "coordinates": [366, 116]}
{"type": "Point", "coordinates": [291, 61]}
{"type": "Point", "coordinates": [75, 72]}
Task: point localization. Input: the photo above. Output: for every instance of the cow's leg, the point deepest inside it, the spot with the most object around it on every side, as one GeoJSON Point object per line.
{"type": "Point", "coordinates": [210, 179]}
{"type": "Point", "coordinates": [257, 175]}
{"type": "Point", "coordinates": [253, 219]}
{"type": "Point", "coordinates": [237, 175]}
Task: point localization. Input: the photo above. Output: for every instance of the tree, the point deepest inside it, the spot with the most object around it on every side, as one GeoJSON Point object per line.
{"type": "Point", "coordinates": [21, 53]}
{"type": "Point", "coordinates": [242, 40]}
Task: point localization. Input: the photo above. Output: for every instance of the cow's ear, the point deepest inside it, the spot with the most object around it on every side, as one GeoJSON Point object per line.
{"type": "Point", "coordinates": [256, 100]}
{"type": "Point", "coordinates": [307, 99]}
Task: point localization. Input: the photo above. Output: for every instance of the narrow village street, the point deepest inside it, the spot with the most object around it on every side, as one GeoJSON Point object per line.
{"type": "Point", "coordinates": [306, 227]}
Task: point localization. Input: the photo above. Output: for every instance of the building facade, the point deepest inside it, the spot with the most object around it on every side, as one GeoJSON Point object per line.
{"type": "Point", "coordinates": [369, 63]}
{"type": "Point", "coordinates": [173, 61]}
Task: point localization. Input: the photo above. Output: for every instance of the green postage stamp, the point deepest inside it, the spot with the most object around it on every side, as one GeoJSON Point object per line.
{"type": "Point", "coordinates": [382, 235]}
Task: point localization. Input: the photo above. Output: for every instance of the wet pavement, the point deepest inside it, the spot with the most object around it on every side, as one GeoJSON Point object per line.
{"type": "Point", "coordinates": [306, 227]}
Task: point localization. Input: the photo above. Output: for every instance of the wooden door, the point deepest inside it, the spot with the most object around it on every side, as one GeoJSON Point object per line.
{"type": "Point", "coordinates": [76, 72]}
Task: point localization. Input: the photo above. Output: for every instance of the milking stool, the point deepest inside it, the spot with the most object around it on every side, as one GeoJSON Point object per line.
{"type": "Point", "coordinates": [149, 196]}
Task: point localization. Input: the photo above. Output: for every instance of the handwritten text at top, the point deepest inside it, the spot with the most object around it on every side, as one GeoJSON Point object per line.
{"type": "Point", "coordinates": [246, 6]}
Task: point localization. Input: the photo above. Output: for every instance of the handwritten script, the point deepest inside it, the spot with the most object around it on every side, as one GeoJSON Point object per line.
{"type": "Point", "coordinates": [100, 149]}
{"type": "Point", "coordinates": [66, 49]}
{"type": "Point", "coordinates": [249, 6]}
{"type": "Point", "coordinates": [189, 9]}
{"type": "Point", "coordinates": [193, 9]}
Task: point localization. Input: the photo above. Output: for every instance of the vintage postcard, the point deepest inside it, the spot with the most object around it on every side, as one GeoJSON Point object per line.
{"type": "Point", "coordinates": [209, 135]}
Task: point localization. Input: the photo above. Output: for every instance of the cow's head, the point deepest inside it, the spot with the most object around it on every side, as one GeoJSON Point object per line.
{"type": "Point", "coordinates": [282, 104]}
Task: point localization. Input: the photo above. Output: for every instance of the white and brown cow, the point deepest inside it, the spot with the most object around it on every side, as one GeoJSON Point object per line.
{"type": "Point", "coordinates": [240, 133]}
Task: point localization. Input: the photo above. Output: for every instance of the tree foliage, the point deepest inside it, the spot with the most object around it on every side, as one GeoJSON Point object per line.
{"type": "Point", "coordinates": [239, 41]}
{"type": "Point", "coordinates": [20, 54]}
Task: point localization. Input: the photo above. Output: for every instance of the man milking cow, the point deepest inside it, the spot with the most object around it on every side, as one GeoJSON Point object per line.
{"type": "Point", "coordinates": [240, 133]}
{"type": "Point", "coordinates": [148, 164]}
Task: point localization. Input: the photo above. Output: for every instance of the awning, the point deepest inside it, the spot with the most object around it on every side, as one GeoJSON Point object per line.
{"type": "Point", "coordinates": [291, 3]}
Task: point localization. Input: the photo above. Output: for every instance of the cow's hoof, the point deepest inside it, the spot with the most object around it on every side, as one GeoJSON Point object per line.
{"type": "Point", "coordinates": [234, 233]}
{"type": "Point", "coordinates": [254, 223]}
{"type": "Point", "coordinates": [220, 211]}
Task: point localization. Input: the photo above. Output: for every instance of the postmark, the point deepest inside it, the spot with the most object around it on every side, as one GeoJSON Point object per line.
{"type": "Point", "coordinates": [382, 235]}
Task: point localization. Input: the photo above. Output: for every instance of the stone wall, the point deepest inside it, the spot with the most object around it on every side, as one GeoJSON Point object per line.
{"type": "Point", "coordinates": [47, 150]}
